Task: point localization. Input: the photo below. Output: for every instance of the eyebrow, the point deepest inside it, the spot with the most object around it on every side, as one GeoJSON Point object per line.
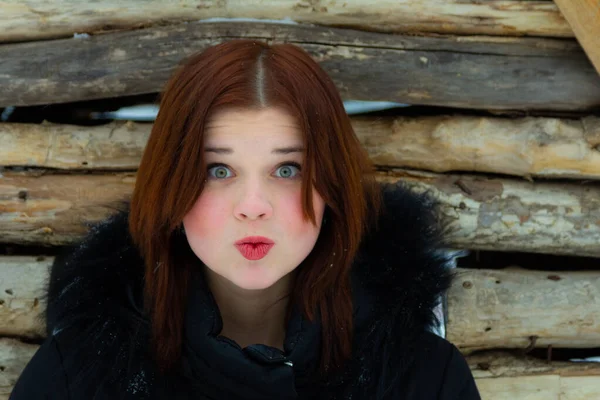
{"type": "Point", "coordinates": [279, 150]}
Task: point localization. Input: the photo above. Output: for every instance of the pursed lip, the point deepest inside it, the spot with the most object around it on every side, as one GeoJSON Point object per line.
{"type": "Point", "coordinates": [254, 239]}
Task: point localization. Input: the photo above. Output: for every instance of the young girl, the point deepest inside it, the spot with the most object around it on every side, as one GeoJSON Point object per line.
{"type": "Point", "coordinates": [258, 257]}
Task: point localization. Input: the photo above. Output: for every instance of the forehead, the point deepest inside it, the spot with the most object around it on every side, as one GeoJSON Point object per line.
{"type": "Point", "coordinates": [269, 122]}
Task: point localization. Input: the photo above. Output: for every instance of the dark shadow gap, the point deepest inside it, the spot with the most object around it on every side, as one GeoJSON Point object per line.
{"type": "Point", "coordinates": [479, 259]}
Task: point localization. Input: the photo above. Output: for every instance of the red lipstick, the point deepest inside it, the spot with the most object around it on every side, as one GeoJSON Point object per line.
{"type": "Point", "coordinates": [254, 247]}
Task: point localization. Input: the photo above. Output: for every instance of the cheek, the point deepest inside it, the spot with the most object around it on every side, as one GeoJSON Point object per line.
{"type": "Point", "coordinates": [292, 207]}
{"type": "Point", "coordinates": [206, 217]}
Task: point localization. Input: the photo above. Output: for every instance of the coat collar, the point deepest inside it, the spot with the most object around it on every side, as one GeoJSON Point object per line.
{"type": "Point", "coordinates": [398, 275]}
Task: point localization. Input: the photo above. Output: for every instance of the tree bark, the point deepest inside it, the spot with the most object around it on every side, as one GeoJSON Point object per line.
{"type": "Point", "coordinates": [487, 309]}
{"type": "Point", "coordinates": [470, 72]}
{"type": "Point", "coordinates": [115, 146]}
{"type": "Point", "coordinates": [57, 209]}
{"type": "Point", "coordinates": [504, 364]}
{"type": "Point", "coordinates": [582, 383]}
{"type": "Point", "coordinates": [510, 215]}
{"type": "Point", "coordinates": [527, 147]}
{"type": "Point", "coordinates": [517, 308]}
{"type": "Point", "coordinates": [503, 375]}
{"type": "Point", "coordinates": [21, 293]}
{"type": "Point", "coordinates": [62, 18]}
{"type": "Point", "coordinates": [541, 387]}
{"type": "Point", "coordinates": [14, 355]}
{"type": "Point", "coordinates": [479, 213]}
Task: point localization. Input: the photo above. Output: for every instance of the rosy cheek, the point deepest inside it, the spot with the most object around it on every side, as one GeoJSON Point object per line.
{"type": "Point", "coordinates": [292, 209]}
{"type": "Point", "coordinates": [207, 216]}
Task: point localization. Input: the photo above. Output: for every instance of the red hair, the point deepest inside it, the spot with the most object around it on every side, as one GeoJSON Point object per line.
{"type": "Point", "coordinates": [171, 175]}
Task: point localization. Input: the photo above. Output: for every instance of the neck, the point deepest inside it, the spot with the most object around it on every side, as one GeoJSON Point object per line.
{"type": "Point", "coordinates": [252, 316]}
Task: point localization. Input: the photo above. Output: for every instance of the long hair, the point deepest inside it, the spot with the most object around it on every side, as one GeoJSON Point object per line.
{"type": "Point", "coordinates": [171, 176]}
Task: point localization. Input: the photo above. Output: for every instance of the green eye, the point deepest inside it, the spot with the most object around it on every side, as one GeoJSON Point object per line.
{"type": "Point", "coordinates": [220, 171]}
{"type": "Point", "coordinates": [287, 170]}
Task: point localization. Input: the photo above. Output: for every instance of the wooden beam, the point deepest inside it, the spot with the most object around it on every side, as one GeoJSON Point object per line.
{"type": "Point", "coordinates": [527, 147]}
{"type": "Point", "coordinates": [497, 374]}
{"type": "Point", "coordinates": [504, 375]}
{"type": "Point", "coordinates": [115, 146]}
{"type": "Point", "coordinates": [542, 387]}
{"type": "Point", "coordinates": [470, 72]}
{"type": "Point", "coordinates": [57, 209]}
{"type": "Point", "coordinates": [487, 309]}
{"type": "Point", "coordinates": [511, 363]}
{"type": "Point", "coordinates": [14, 355]}
{"type": "Point", "coordinates": [22, 288]}
{"type": "Point", "coordinates": [39, 19]}
{"type": "Point", "coordinates": [584, 18]}
{"type": "Point", "coordinates": [509, 215]}
{"type": "Point", "coordinates": [481, 213]}
{"type": "Point", "coordinates": [517, 308]}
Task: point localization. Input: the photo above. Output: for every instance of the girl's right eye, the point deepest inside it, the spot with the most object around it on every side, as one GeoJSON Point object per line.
{"type": "Point", "coordinates": [220, 171]}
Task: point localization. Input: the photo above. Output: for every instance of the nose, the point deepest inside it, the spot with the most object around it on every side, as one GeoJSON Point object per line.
{"type": "Point", "coordinates": [254, 203]}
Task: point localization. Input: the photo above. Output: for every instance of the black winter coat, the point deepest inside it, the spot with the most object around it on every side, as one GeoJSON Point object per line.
{"type": "Point", "coordinates": [98, 334]}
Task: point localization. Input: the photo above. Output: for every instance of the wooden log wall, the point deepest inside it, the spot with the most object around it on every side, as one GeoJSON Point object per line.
{"type": "Point", "coordinates": [514, 158]}
{"type": "Point", "coordinates": [471, 72]}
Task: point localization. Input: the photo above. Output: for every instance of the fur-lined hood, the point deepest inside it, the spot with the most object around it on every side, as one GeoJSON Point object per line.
{"type": "Point", "coordinates": [399, 274]}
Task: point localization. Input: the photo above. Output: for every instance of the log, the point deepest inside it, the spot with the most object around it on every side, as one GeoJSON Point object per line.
{"type": "Point", "coordinates": [503, 364]}
{"type": "Point", "coordinates": [499, 214]}
{"type": "Point", "coordinates": [543, 387]}
{"type": "Point", "coordinates": [486, 309]}
{"type": "Point", "coordinates": [584, 17]}
{"type": "Point", "coordinates": [503, 375]}
{"type": "Point", "coordinates": [528, 147]}
{"type": "Point", "coordinates": [42, 20]}
{"type": "Point", "coordinates": [22, 284]}
{"type": "Point", "coordinates": [14, 355]}
{"type": "Point", "coordinates": [481, 213]}
{"type": "Point", "coordinates": [57, 209]}
{"type": "Point", "coordinates": [517, 308]}
{"type": "Point", "coordinates": [115, 146]}
{"type": "Point", "coordinates": [469, 72]}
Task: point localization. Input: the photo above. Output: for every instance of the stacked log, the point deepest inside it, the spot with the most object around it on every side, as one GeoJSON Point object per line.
{"type": "Point", "coordinates": [468, 72]}
{"type": "Point", "coordinates": [514, 164]}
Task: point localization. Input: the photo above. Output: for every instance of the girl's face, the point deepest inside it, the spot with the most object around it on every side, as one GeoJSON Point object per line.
{"type": "Point", "coordinates": [253, 187]}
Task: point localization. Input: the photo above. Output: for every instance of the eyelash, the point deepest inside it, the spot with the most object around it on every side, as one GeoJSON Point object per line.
{"type": "Point", "coordinates": [294, 164]}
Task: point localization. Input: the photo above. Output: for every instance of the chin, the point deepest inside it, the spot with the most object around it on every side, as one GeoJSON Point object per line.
{"type": "Point", "coordinates": [246, 285]}
{"type": "Point", "coordinates": [254, 282]}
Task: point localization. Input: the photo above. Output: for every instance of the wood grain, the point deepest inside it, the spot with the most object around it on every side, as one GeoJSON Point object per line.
{"type": "Point", "coordinates": [517, 308]}
{"type": "Point", "coordinates": [584, 18]}
{"type": "Point", "coordinates": [115, 146]}
{"type": "Point", "coordinates": [480, 213]}
{"type": "Point", "coordinates": [545, 387]}
{"type": "Point", "coordinates": [57, 209]}
{"type": "Point", "coordinates": [500, 214]}
{"type": "Point", "coordinates": [468, 72]}
{"type": "Point", "coordinates": [14, 356]}
{"type": "Point", "coordinates": [527, 147]}
{"type": "Point", "coordinates": [487, 309]}
{"type": "Point", "coordinates": [22, 287]}
{"type": "Point", "coordinates": [40, 19]}
{"type": "Point", "coordinates": [512, 363]}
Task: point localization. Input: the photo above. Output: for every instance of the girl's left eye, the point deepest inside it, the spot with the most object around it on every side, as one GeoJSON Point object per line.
{"type": "Point", "coordinates": [287, 171]}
